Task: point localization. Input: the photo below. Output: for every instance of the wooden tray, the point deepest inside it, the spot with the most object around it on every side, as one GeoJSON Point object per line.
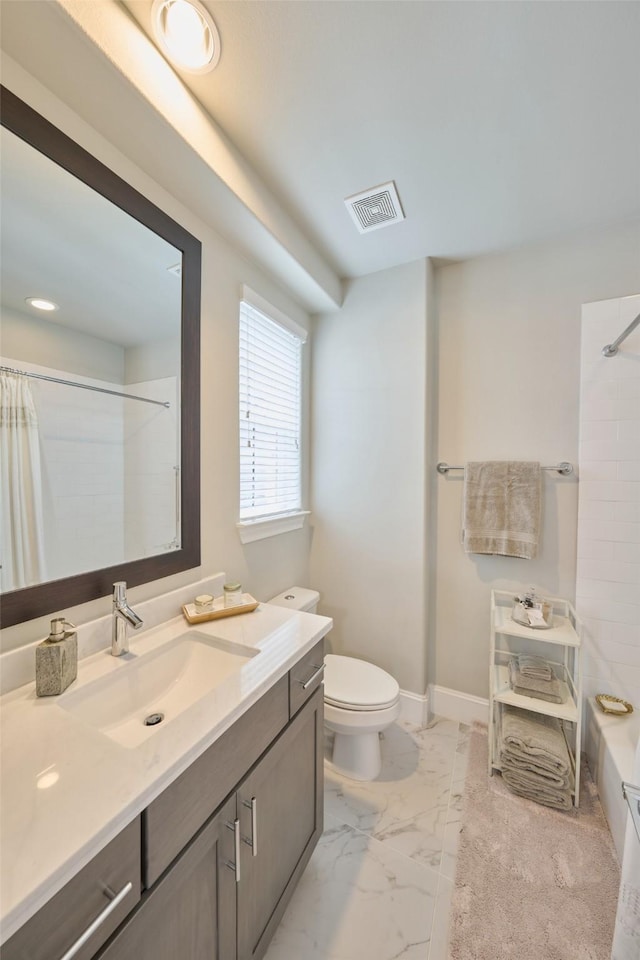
{"type": "Point", "coordinates": [219, 610]}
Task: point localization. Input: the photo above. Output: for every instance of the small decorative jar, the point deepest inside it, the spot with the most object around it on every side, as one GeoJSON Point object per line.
{"type": "Point", "coordinates": [203, 603]}
{"type": "Point", "coordinates": [232, 594]}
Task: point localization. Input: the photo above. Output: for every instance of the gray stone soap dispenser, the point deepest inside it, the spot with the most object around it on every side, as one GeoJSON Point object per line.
{"type": "Point", "coordinates": [57, 659]}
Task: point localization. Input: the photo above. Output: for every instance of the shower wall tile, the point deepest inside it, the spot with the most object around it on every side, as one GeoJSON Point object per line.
{"type": "Point", "coordinates": [628, 552]}
{"type": "Point", "coordinates": [608, 570]}
{"type": "Point", "coordinates": [594, 549]}
{"type": "Point", "coordinates": [608, 490]}
{"type": "Point", "coordinates": [608, 449]}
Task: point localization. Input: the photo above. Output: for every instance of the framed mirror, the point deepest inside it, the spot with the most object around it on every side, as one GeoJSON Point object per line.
{"type": "Point", "coordinates": [100, 425]}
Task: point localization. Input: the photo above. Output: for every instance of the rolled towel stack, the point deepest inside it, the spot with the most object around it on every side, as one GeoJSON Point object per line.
{"type": "Point", "coordinates": [534, 677]}
{"type": "Point", "coordinates": [535, 759]}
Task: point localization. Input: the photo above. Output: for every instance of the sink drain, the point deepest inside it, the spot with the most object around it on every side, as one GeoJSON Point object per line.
{"type": "Point", "coordinates": [153, 719]}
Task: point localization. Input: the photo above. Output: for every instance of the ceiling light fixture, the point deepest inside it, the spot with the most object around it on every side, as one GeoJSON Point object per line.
{"type": "Point", "coordinates": [186, 34]}
{"type": "Point", "coordinates": [41, 304]}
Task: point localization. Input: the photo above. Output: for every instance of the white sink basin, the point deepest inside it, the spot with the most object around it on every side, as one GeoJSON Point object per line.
{"type": "Point", "coordinates": [165, 681]}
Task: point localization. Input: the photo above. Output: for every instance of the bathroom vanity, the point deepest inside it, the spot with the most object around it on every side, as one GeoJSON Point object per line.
{"type": "Point", "coordinates": [202, 861]}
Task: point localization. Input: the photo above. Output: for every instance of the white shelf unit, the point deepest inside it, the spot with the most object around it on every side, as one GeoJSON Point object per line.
{"type": "Point", "coordinates": [560, 645]}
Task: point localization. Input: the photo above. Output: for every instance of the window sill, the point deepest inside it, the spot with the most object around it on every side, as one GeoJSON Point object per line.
{"type": "Point", "coordinates": [250, 530]}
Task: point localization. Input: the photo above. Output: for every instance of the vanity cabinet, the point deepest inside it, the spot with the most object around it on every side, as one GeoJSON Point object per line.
{"type": "Point", "coordinates": [224, 895]}
{"type": "Point", "coordinates": [207, 869]}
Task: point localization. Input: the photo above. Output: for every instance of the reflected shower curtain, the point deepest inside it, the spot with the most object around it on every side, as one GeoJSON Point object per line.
{"type": "Point", "coordinates": [22, 517]}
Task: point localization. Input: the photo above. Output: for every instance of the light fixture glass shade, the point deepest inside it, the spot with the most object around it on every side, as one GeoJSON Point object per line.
{"type": "Point", "coordinates": [186, 34]}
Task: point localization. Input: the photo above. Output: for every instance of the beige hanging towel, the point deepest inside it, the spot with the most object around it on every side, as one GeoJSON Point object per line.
{"type": "Point", "coordinates": [501, 512]}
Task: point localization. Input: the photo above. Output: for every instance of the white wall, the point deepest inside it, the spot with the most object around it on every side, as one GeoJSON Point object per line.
{"type": "Point", "coordinates": [266, 567]}
{"type": "Point", "coordinates": [509, 385]}
{"type": "Point", "coordinates": [51, 344]}
{"type": "Point", "coordinates": [152, 360]}
{"type": "Point", "coordinates": [608, 581]}
{"type": "Point", "coordinates": [368, 557]}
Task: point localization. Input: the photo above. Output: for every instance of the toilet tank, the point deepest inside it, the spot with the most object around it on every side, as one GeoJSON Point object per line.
{"type": "Point", "coordinates": [297, 598]}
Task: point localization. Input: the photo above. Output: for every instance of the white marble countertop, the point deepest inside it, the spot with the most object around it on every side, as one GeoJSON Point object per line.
{"type": "Point", "coordinates": [68, 789]}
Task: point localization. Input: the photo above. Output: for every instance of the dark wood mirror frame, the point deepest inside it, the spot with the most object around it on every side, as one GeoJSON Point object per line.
{"type": "Point", "coordinates": [30, 602]}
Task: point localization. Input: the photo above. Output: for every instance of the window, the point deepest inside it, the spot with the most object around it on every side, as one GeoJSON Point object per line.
{"type": "Point", "coordinates": [270, 420]}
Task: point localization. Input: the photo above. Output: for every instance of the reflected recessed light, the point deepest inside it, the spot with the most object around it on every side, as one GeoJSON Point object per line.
{"type": "Point", "coordinates": [186, 34]}
{"type": "Point", "coordinates": [41, 304]}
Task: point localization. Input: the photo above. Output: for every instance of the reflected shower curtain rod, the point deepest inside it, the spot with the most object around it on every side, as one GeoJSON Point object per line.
{"type": "Point", "coordinates": [84, 386]}
{"type": "Point", "coordinates": [612, 348]}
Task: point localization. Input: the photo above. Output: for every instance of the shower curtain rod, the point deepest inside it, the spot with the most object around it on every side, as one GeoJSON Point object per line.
{"type": "Point", "coordinates": [84, 386]}
{"type": "Point", "coordinates": [565, 468]}
{"type": "Point", "coordinates": [612, 348]}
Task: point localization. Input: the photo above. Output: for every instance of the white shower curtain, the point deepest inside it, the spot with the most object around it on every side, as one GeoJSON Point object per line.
{"type": "Point", "coordinates": [22, 533]}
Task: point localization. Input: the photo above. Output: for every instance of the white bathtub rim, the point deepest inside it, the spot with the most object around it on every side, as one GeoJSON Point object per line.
{"type": "Point", "coordinates": [610, 744]}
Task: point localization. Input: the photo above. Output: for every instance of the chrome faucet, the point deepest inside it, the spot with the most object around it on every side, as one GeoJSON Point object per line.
{"type": "Point", "coordinates": [123, 615]}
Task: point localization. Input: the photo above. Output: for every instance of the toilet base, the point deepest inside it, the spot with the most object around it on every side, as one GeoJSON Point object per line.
{"type": "Point", "coordinates": [357, 756]}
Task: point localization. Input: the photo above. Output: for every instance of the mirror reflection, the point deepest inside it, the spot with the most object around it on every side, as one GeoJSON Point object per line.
{"type": "Point", "coordinates": [90, 417]}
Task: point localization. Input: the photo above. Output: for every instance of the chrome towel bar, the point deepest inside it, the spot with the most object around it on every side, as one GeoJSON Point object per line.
{"type": "Point", "coordinates": [564, 467]}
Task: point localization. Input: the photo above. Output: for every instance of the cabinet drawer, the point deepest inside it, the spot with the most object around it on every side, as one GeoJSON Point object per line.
{"type": "Point", "coordinates": [305, 677]}
{"type": "Point", "coordinates": [178, 813]}
{"type": "Point", "coordinates": [56, 927]}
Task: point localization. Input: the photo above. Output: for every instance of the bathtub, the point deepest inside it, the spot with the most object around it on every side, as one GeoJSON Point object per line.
{"type": "Point", "coordinates": [610, 744]}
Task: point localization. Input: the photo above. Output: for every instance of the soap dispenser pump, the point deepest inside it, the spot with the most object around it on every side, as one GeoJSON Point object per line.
{"type": "Point", "coordinates": [57, 659]}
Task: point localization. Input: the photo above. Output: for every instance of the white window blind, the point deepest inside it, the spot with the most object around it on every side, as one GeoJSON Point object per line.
{"type": "Point", "coordinates": [270, 402]}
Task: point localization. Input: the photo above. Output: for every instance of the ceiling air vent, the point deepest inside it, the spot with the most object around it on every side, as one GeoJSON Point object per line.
{"type": "Point", "coordinates": [376, 207]}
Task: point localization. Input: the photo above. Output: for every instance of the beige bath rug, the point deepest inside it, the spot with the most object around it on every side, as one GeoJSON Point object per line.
{"type": "Point", "coordinates": [532, 883]}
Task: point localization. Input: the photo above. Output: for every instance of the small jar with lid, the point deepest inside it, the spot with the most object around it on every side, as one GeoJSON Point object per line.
{"type": "Point", "coordinates": [233, 595]}
{"type": "Point", "coordinates": [204, 603]}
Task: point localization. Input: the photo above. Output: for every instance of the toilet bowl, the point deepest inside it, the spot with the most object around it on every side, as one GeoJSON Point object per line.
{"type": "Point", "coordinates": [360, 701]}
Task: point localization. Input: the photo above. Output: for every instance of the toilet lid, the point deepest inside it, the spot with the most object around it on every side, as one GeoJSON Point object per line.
{"type": "Point", "coordinates": [349, 682]}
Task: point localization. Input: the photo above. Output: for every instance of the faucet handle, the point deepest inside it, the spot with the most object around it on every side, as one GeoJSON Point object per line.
{"type": "Point", "coordinates": [120, 591]}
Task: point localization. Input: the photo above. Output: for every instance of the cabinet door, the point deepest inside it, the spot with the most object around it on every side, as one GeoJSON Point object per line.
{"type": "Point", "coordinates": [190, 914]}
{"type": "Point", "coordinates": [280, 810]}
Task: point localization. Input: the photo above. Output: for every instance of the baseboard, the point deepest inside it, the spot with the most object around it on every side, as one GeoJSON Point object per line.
{"type": "Point", "coordinates": [456, 705]}
{"type": "Point", "coordinates": [413, 707]}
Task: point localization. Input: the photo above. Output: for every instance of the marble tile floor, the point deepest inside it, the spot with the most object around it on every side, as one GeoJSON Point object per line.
{"type": "Point", "coordinates": [379, 884]}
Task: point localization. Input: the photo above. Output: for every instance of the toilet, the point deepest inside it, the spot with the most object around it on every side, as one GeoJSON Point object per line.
{"type": "Point", "coordinates": [360, 700]}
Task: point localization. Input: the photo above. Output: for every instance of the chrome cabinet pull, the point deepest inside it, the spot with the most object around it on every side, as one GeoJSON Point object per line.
{"type": "Point", "coordinates": [253, 842]}
{"type": "Point", "coordinates": [235, 826]}
{"type": "Point", "coordinates": [318, 670]}
{"type": "Point", "coordinates": [99, 920]}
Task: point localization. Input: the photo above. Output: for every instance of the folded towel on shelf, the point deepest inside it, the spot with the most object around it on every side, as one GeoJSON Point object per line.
{"type": "Point", "coordinates": [536, 738]}
{"type": "Point", "coordinates": [501, 511]}
{"type": "Point", "coordinates": [548, 690]}
{"type": "Point", "coordinates": [534, 789]}
{"type": "Point", "coordinates": [534, 758]}
{"type": "Point", "coordinates": [530, 770]}
{"type": "Point", "coordinates": [535, 667]}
